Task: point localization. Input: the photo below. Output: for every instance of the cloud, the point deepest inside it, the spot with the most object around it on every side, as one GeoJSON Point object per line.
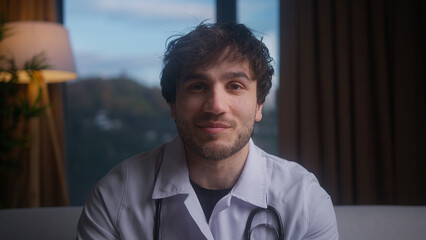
{"type": "Point", "coordinates": [271, 41]}
{"type": "Point", "coordinates": [157, 9]}
{"type": "Point", "coordinates": [250, 8]}
{"type": "Point", "coordinates": [144, 68]}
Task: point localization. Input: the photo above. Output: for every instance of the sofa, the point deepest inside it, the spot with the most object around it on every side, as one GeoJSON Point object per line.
{"type": "Point", "coordinates": [354, 223]}
{"type": "Point", "coordinates": [360, 222]}
{"type": "Point", "coordinates": [39, 223]}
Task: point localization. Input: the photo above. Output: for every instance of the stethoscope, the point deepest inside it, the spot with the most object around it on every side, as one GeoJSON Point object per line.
{"type": "Point", "coordinates": [247, 231]}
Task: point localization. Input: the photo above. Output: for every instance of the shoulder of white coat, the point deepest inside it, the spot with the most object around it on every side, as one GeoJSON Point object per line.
{"type": "Point", "coordinates": [288, 177]}
{"type": "Point", "coordinates": [283, 166]}
{"type": "Point", "coordinates": [296, 189]}
{"type": "Point", "coordinates": [128, 174]}
{"type": "Point", "coordinates": [140, 164]}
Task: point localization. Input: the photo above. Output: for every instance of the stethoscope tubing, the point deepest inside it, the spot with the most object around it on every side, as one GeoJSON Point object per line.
{"type": "Point", "coordinates": [247, 230]}
{"type": "Point", "coordinates": [277, 216]}
{"type": "Point", "coordinates": [158, 205]}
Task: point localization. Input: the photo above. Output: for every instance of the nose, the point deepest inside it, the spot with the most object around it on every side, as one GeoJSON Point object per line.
{"type": "Point", "coordinates": [216, 101]}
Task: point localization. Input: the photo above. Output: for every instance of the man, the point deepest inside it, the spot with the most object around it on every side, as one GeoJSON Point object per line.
{"type": "Point", "coordinates": [211, 182]}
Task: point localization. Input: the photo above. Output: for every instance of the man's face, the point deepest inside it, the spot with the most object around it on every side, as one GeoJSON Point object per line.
{"type": "Point", "coordinates": [215, 109]}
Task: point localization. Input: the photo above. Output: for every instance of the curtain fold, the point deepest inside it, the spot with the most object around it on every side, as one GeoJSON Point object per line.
{"type": "Point", "coordinates": [37, 183]}
{"type": "Point", "coordinates": [352, 104]}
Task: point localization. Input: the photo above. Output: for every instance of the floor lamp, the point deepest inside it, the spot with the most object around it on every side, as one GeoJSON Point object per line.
{"type": "Point", "coordinates": [23, 41]}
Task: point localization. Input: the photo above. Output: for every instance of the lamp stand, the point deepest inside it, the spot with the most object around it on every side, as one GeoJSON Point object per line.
{"type": "Point", "coordinates": [58, 155]}
{"type": "Point", "coordinates": [34, 150]}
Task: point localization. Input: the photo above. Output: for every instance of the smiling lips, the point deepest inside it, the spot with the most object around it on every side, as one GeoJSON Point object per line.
{"type": "Point", "coordinates": [214, 127]}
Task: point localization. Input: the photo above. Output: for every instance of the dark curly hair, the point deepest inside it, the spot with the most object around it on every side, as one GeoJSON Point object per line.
{"type": "Point", "coordinates": [203, 47]}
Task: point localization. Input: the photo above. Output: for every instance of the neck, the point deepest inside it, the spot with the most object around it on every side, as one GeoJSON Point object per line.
{"type": "Point", "coordinates": [216, 174]}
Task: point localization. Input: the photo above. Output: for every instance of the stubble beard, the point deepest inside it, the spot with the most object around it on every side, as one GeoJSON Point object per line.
{"type": "Point", "coordinates": [210, 150]}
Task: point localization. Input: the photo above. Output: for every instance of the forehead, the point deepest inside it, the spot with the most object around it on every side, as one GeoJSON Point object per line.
{"type": "Point", "coordinates": [221, 68]}
{"type": "Point", "coordinates": [230, 55]}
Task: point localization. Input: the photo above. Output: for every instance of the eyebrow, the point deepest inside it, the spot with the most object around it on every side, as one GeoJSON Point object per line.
{"type": "Point", "coordinates": [196, 75]}
{"type": "Point", "coordinates": [240, 74]}
{"type": "Point", "coordinates": [227, 75]}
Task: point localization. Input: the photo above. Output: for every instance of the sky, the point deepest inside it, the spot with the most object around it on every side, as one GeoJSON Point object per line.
{"type": "Point", "coordinates": [110, 38]}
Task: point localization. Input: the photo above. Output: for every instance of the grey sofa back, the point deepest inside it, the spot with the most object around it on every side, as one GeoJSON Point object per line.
{"type": "Point", "coordinates": [354, 222]}
{"type": "Point", "coordinates": [381, 222]}
{"type": "Point", "coordinates": [52, 223]}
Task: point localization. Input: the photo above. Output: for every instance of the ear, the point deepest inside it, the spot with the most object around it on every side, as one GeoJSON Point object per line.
{"type": "Point", "coordinates": [258, 116]}
{"type": "Point", "coordinates": [173, 110]}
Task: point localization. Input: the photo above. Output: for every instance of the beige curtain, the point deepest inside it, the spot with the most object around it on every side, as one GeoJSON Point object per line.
{"type": "Point", "coordinates": [40, 180]}
{"type": "Point", "coordinates": [352, 96]}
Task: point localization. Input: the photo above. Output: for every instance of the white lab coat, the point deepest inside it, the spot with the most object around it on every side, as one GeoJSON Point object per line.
{"type": "Point", "coordinates": [121, 205]}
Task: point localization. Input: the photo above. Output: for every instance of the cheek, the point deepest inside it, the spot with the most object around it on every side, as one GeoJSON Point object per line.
{"type": "Point", "coordinates": [246, 110]}
{"type": "Point", "coordinates": [185, 106]}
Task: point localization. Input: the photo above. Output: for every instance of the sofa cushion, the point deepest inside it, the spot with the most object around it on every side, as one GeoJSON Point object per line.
{"type": "Point", "coordinates": [381, 222]}
{"type": "Point", "coordinates": [39, 223]}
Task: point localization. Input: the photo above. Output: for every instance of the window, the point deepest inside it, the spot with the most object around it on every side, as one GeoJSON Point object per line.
{"type": "Point", "coordinates": [263, 17]}
{"type": "Point", "coordinates": [115, 108]}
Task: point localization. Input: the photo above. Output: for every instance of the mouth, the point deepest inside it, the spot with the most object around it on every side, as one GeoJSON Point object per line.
{"type": "Point", "coordinates": [214, 127]}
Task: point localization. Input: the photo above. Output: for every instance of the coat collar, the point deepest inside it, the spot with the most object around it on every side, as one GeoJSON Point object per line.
{"type": "Point", "coordinates": [173, 176]}
{"type": "Point", "coordinates": [253, 184]}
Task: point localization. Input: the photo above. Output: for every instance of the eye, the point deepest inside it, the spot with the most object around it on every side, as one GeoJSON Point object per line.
{"type": "Point", "coordinates": [197, 86]}
{"type": "Point", "coordinates": [235, 86]}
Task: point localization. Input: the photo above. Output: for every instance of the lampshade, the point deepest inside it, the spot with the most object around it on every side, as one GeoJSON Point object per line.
{"type": "Point", "coordinates": [26, 39]}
